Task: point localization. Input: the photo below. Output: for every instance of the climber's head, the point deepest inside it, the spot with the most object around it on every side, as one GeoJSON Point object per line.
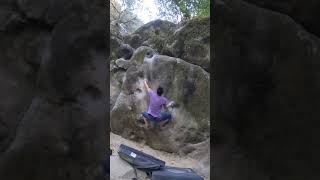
{"type": "Point", "coordinates": [159, 91]}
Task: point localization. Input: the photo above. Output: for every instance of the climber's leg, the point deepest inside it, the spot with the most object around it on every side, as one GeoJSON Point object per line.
{"type": "Point", "coordinates": [165, 117]}
{"type": "Point", "coordinates": [146, 122]}
{"type": "Point", "coordinates": [146, 119]}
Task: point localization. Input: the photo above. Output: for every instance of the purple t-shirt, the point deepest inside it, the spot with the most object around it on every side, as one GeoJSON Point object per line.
{"type": "Point", "coordinates": [156, 103]}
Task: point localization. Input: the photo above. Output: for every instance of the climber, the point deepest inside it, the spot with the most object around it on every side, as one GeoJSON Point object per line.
{"type": "Point", "coordinates": [156, 102]}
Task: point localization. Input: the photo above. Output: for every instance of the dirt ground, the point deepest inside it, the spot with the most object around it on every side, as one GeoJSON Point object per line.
{"type": "Point", "coordinates": [120, 170]}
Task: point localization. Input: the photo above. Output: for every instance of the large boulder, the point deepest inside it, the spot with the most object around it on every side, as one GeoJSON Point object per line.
{"type": "Point", "coordinates": [191, 42]}
{"type": "Point", "coordinates": [122, 63]}
{"type": "Point", "coordinates": [141, 53]}
{"type": "Point", "coordinates": [185, 83]}
{"type": "Point", "coordinates": [119, 67]}
{"type": "Point", "coordinates": [124, 51]}
{"type": "Point", "coordinates": [116, 80]}
{"type": "Point", "coordinates": [54, 95]}
{"type": "Point", "coordinates": [135, 40]}
{"type": "Point", "coordinates": [266, 95]}
{"type": "Point", "coordinates": [154, 34]}
{"type": "Point", "coordinates": [115, 43]}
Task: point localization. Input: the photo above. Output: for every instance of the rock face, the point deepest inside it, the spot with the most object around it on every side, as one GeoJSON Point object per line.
{"type": "Point", "coordinates": [191, 42]}
{"type": "Point", "coordinates": [183, 82]}
{"type": "Point", "coordinates": [125, 51]}
{"type": "Point", "coordinates": [266, 95]}
{"type": "Point", "coordinates": [116, 80]}
{"type": "Point", "coordinates": [115, 43]}
{"type": "Point", "coordinates": [53, 78]}
{"type": "Point", "coordinates": [154, 34]}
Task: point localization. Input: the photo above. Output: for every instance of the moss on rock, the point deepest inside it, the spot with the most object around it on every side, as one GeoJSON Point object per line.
{"type": "Point", "coordinates": [191, 42]}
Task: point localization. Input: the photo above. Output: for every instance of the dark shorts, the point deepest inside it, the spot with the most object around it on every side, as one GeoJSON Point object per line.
{"type": "Point", "coordinates": [163, 116]}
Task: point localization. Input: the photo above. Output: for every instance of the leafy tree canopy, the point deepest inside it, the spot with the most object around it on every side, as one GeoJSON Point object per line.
{"type": "Point", "coordinates": [186, 9]}
{"type": "Point", "coordinates": [122, 19]}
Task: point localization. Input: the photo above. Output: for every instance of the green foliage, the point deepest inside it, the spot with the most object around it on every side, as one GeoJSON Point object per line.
{"type": "Point", "coordinates": [169, 10]}
{"type": "Point", "coordinates": [121, 17]}
{"type": "Point", "coordinates": [187, 9]}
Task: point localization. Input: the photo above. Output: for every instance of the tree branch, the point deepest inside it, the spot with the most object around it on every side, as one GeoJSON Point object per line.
{"type": "Point", "coordinates": [114, 7]}
{"type": "Point", "coordinates": [119, 12]}
{"type": "Point", "coordinates": [129, 20]}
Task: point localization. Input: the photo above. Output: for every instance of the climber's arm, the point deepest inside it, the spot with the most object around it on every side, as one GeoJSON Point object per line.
{"type": "Point", "coordinates": [146, 85]}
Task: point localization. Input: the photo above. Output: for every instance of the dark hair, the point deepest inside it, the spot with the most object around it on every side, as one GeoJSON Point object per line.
{"type": "Point", "coordinates": [159, 91]}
